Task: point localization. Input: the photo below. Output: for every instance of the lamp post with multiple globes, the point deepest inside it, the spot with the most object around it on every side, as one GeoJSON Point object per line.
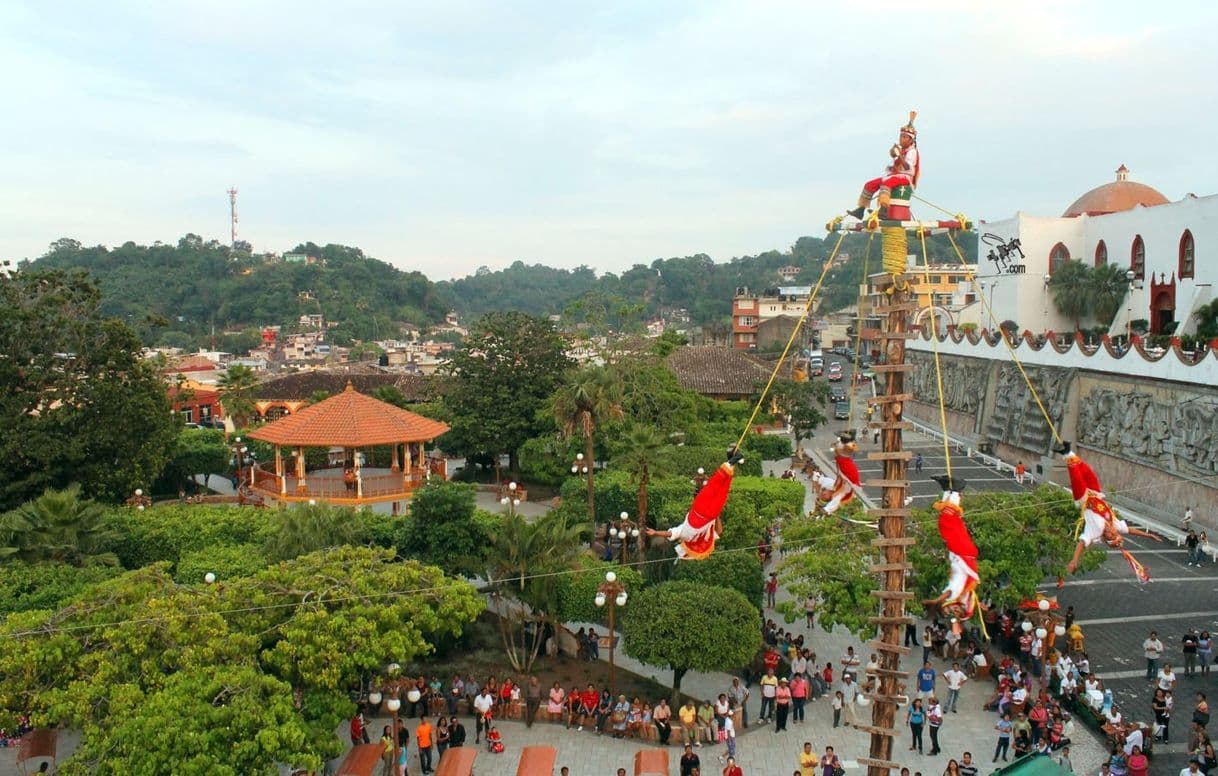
{"type": "Point", "coordinates": [512, 499]}
{"type": "Point", "coordinates": [699, 479]}
{"type": "Point", "coordinates": [613, 593]}
{"type": "Point", "coordinates": [585, 467]}
{"type": "Point", "coordinates": [624, 530]}
{"type": "Point", "coordinates": [391, 693]}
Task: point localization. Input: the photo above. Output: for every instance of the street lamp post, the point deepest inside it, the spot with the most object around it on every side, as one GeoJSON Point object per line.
{"type": "Point", "coordinates": [585, 467]}
{"type": "Point", "coordinates": [139, 500]}
{"type": "Point", "coordinates": [613, 593]}
{"type": "Point", "coordinates": [511, 500]}
{"type": "Point", "coordinates": [1129, 276]}
{"type": "Point", "coordinates": [623, 530]}
{"type": "Point", "coordinates": [699, 479]}
{"type": "Point", "coordinates": [239, 451]}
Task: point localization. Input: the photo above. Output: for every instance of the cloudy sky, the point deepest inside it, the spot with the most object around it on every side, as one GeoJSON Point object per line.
{"type": "Point", "coordinates": [447, 135]}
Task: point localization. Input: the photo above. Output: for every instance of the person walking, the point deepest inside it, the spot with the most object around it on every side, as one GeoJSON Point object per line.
{"type": "Point", "coordinates": [918, 460]}
{"type": "Point", "coordinates": [771, 589]}
{"type": "Point", "coordinates": [1191, 542]}
{"type": "Point", "coordinates": [849, 693]}
{"type": "Point", "coordinates": [934, 719]}
{"type": "Point", "coordinates": [915, 717]}
{"type": "Point", "coordinates": [1020, 472]}
{"type": "Point", "coordinates": [423, 735]}
{"type": "Point", "coordinates": [532, 700]}
{"type": "Point", "coordinates": [1004, 727]}
{"type": "Point", "coordinates": [729, 738]}
{"type": "Point", "coordinates": [1189, 648]}
{"type": "Point", "coordinates": [1152, 648]}
{"type": "Point", "coordinates": [955, 679]}
{"type": "Point", "coordinates": [456, 733]}
{"type": "Point", "coordinates": [928, 644]}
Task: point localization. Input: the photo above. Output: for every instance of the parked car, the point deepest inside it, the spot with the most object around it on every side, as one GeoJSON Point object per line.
{"type": "Point", "coordinates": [838, 393]}
{"type": "Point", "coordinates": [835, 371]}
{"type": "Point", "coordinates": [841, 410]}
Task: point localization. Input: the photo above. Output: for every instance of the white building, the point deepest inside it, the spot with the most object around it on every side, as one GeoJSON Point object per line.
{"type": "Point", "coordinates": [1122, 222]}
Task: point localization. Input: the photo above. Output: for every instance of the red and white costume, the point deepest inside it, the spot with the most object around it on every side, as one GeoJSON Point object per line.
{"type": "Point", "coordinates": [905, 169]}
{"type": "Point", "coordinates": [1099, 522]}
{"type": "Point", "coordinates": [696, 534]}
{"type": "Point", "coordinates": [839, 490]}
{"type": "Point", "coordinates": [961, 600]}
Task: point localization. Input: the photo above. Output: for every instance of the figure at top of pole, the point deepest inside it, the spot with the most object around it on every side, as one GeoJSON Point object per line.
{"type": "Point", "coordinates": [895, 186]}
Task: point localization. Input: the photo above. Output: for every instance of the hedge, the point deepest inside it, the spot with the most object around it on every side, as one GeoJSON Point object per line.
{"type": "Point", "coordinates": [166, 532]}
{"type": "Point", "coordinates": [48, 585]}
{"type": "Point", "coordinates": [229, 562]}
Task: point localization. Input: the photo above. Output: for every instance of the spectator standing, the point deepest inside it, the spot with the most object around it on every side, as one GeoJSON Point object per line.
{"type": "Point", "coordinates": [782, 704]}
{"type": "Point", "coordinates": [809, 611]}
{"type": "Point", "coordinates": [915, 717]}
{"type": "Point", "coordinates": [482, 712]}
{"type": "Point", "coordinates": [1187, 525]}
{"type": "Point", "coordinates": [799, 696]}
{"type": "Point", "coordinates": [1020, 471]}
{"type": "Point", "coordinates": [732, 769]}
{"type": "Point", "coordinates": [1004, 727]}
{"type": "Point", "coordinates": [928, 643]}
{"type": "Point", "coordinates": [829, 762]}
{"type": "Point", "coordinates": [769, 689]}
{"type": "Point", "coordinates": [838, 702]}
{"type": "Point", "coordinates": [771, 589]}
{"type": "Point", "coordinates": [918, 461]}
{"type": "Point", "coordinates": [1191, 542]}
{"type": "Point", "coordinates": [689, 762]}
{"type": "Point", "coordinates": [738, 694]}
{"type": "Point", "coordinates": [1166, 678]}
{"type": "Point", "coordinates": [934, 720]}
{"type": "Point", "coordinates": [808, 760]}
{"type": "Point", "coordinates": [456, 734]}
{"type": "Point", "coordinates": [1152, 648]}
{"type": "Point", "coordinates": [955, 679]}
{"type": "Point", "coordinates": [423, 735]}
{"type": "Point", "coordinates": [729, 737]}
{"type": "Point", "coordinates": [850, 692]}
{"type": "Point", "coordinates": [1189, 647]}
{"type": "Point", "coordinates": [1205, 651]}
{"type": "Point", "coordinates": [967, 767]}
{"type": "Point", "coordinates": [926, 681]}
{"type": "Point", "coordinates": [532, 700]}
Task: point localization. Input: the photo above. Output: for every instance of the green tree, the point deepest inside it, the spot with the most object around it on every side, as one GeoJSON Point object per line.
{"type": "Point", "coordinates": [58, 526]}
{"type": "Point", "coordinates": [80, 403]}
{"type": "Point", "coordinates": [739, 571]}
{"type": "Point", "coordinates": [198, 451]}
{"type": "Point", "coordinates": [442, 528]}
{"type": "Point", "coordinates": [591, 398]}
{"type": "Point", "coordinates": [1071, 286]}
{"type": "Point", "coordinates": [684, 626]}
{"type": "Point", "coordinates": [577, 591]}
{"type": "Point", "coordinates": [227, 562]}
{"type": "Point", "coordinates": [46, 584]}
{"type": "Point", "coordinates": [829, 561]}
{"type": "Point", "coordinates": [1206, 317]}
{"type": "Point", "coordinates": [801, 403]}
{"type": "Point", "coordinates": [510, 365]}
{"type": "Point", "coordinates": [306, 528]}
{"type": "Point", "coordinates": [1106, 291]}
{"type": "Point", "coordinates": [644, 454]}
{"type": "Point", "coordinates": [237, 393]}
{"type": "Point", "coordinates": [524, 570]}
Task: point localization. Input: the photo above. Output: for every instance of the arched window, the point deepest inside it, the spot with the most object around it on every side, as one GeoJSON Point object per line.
{"type": "Point", "coordinates": [1101, 254]}
{"type": "Point", "coordinates": [1137, 258]}
{"type": "Point", "coordinates": [1058, 258]}
{"type": "Point", "coordinates": [1187, 252]}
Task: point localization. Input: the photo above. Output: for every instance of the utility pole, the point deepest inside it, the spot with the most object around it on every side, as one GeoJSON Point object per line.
{"type": "Point", "coordinates": [232, 209]}
{"type": "Point", "coordinates": [892, 542]}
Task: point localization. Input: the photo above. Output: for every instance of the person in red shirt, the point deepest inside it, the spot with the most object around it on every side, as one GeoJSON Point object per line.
{"type": "Point", "coordinates": [732, 769]}
{"type": "Point", "coordinates": [828, 675]}
{"type": "Point", "coordinates": [359, 734]}
{"type": "Point", "coordinates": [770, 659]}
{"type": "Point", "coordinates": [589, 699]}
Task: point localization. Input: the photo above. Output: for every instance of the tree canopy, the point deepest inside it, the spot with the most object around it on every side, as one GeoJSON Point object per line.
{"type": "Point", "coordinates": [80, 404]}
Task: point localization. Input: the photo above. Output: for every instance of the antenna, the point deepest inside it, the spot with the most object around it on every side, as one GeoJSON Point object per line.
{"type": "Point", "coordinates": [232, 205]}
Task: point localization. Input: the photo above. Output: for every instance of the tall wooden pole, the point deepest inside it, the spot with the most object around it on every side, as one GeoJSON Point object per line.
{"type": "Point", "coordinates": [892, 541]}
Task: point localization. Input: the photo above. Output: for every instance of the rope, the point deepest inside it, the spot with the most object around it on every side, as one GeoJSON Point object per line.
{"type": "Point", "coordinates": [934, 338]}
{"type": "Point", "coordinates": [896, 249]}
{"type": "Point", "coordinates": [790, 340]}
{"type": "Point", "coordinates": [1005, 341]}
{"type": "Point", "coordinates": [858, 333]}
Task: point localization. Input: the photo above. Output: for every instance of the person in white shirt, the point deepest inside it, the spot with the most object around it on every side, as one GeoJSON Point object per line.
{"type": "Point", "coordinates": [1068, 686]}
{"type": "Point", "coordinates": [1020, 695]}
{"type": "Point", "coordinates": [850, 663]}
{"type": "Point", "coordinates": [1152, 648]}
{"type": "Point", "coordinates": [799, 665]}
{"type": "Point", "coordinates": [1132, 739]}
{"type": "Point", "coordinates": [955, 679]}
{"type": "Point", "coordinates": [1113, 715]}
{"type": "Point", "coordinates": [1166, 678]}
{"type": "Point", "coordinates": [1194, 768]}
{"type": "Point", "coordinates": [482, 706]}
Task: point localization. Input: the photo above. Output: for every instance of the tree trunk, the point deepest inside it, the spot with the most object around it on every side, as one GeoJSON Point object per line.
{"type": "Point", "coordinates": [644, 478]}
{"type": "Point", "coordinates": [677, 675]}
{"type": "Point", "coordinates": [590, 462]}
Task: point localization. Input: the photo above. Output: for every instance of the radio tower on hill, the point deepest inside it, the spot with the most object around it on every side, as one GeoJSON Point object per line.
{"type": "Point", "coordinates": [232, 206]}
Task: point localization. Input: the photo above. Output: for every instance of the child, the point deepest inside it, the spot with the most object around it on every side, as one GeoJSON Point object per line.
{"type": "Point", "coordinates": [494, 741]}
{"type": "Point", "coordinates": [838, 700]}
{"type": "Point", "coordinates": [729, 737]}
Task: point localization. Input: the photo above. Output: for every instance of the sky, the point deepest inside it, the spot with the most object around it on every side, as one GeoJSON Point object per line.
{"type": "Point", "coordinates": [451, 135]}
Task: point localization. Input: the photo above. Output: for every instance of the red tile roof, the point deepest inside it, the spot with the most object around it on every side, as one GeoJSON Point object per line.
{"type": "Point", "coordinates": [717, 371]}
{"type": "Point", "coordinates": [350, 419]}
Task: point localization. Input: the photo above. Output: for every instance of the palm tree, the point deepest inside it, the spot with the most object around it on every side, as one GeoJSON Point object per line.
{"type": "Point", "coordinates": [58, 526]}
{"type": "Point", "coordinates": [645, 454]}
{"type": "Point", "coordinates": [592, 398]}
{"type": "Point", "coordinates": [1070, 285]}
{"type": "Point", "coordinates": [525, 566]}
{"type": "Point", "coordinates": [310, 527]}
{"type": "Point", "coordinates": [1106, 290]}
{"type": "Point", "coordinates": [237, 393]}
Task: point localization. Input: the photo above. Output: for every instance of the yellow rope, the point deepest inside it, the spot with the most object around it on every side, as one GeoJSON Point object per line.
{"type": "Point", "coordinates": [1018, 365]}
{"type": "Point", "coordinates": [794, 333]}
{"type": "Point", "coordinates": [934, 339]}
{"type": "Point", "coordinates": [896, 249]}
{"type": "Point", "coordinates": [858, 331]}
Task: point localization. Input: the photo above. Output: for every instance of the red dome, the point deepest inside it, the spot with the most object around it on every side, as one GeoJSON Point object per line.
{"type": "Point", "coordinates": [1121, 194]}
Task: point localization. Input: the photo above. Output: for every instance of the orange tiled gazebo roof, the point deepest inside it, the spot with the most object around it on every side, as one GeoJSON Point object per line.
{"type": "Point", "coordinates": [350, 419]}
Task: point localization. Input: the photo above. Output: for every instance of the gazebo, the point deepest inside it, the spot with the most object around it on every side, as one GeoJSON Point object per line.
{"type": "Point", "coordinates": [348, 424]}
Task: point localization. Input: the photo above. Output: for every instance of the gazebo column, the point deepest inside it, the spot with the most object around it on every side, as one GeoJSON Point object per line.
{"type": "Point", "coordinates": [359, 477]}
{"type": "Point", "coordinates": [301, 485]}
{"type": "Point", "coordinates": [393, 464]}
{"type": "Point", "coordinates": [279, 474]}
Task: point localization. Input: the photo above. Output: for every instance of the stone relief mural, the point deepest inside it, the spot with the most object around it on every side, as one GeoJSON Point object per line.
{"type": "Point", "coordinates": [1015, 419]}
{"type": "Point", "coordinates": [1179, 436]}
{"type": "Point", "coordinates": [964, 381]}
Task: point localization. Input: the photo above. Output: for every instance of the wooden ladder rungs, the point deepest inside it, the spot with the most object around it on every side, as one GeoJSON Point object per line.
{"type": "Point", "coordinates": [888, 399]}
{"type": "Point", "coordinates": [897, 699]}
{"type": "Point", "coordinates": [900, 541]}
{"type": "Point", "coordinates": [871, 761]}
{"type": "Point", "coordinates": [903, 425]}
{"type": "Point", "coordinates": [899, 307]}
{"type": "Point", "coordinates": [900, 455]}
{"type": "Point", "coordinates": [906, 620]}
{"type": "Point", "coordinates": [889, 512]}
{"type": "Point", "coordinates": [893, 367]}
{"type": "Point", "coordinates": [879, 568]}
{"type": "Point", "coordinates": [877, 731]}
{"type": "Point", "coordinates": [886, 484]}
{"type": "Point", "coordinates": [880, 646]}
{"type": "Point", "coordinates": [888, 671]}
{"type": "Point", "coordinates": [895, 595]}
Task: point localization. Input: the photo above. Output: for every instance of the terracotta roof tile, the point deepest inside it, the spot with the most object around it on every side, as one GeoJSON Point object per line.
{"type": "Point", "coordinates": [717, 371]}
{"type": "Point", "coordinates": [302, 385]}
{"type": "Point", "coordinates": [350, 419]}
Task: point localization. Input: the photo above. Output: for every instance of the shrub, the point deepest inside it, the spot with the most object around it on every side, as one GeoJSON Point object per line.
{"type": "Point", "coordinates": [577, 591]}
{"type": "Point", "coordinates": [47, 585]}
{"type": "Point", "coordinates": [231, 562]}
{"type": "Point", "coordinates": [767, 447]}
{"type": "Point", "coordinates": [740, 571]}
{"type": "Point", "coordinates": [165, 533]}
